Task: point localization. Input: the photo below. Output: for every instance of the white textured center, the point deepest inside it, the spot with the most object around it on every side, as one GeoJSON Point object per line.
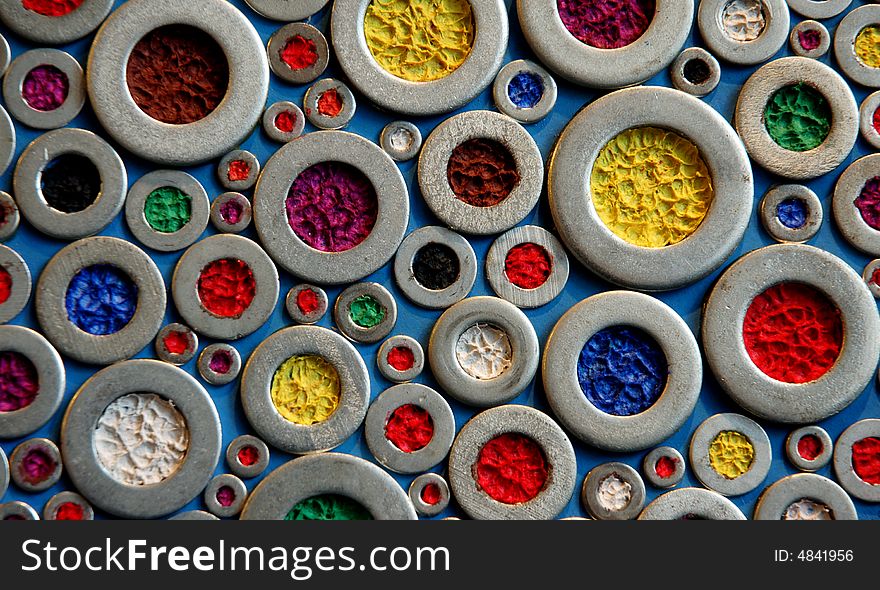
{"type": "Point", "coordinates": [614, 493]}
{"type": "Point", "coordinates": [743, 20]}
{"type": "Point", "coordinates": [807, 510]}
{"type": "Point", "coordinates": [483, 351]}
{"type": "Point", "coordinates": [141, 439]}
{"type": "Point", "coordinates": [401, 139]}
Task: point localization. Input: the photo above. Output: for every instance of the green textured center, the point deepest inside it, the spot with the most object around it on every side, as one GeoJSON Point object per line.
{"type": "Point", "coordinates": [366, 312]}
{"type": "Point", "coordinates": [328, 507]}
{"type": "Point", "coordinates": [798, 117]}
{"type": "Point", "coordinates": [168, 209]}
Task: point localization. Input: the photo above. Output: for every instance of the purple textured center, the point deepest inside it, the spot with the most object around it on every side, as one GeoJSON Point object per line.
{"type": "Point", "coordinates": [18, 381]}
{"type": "Point", "coordinates": [221, 362]}
{"type": "Point", "coordinates": [332, 206]}
{"type": "Point", "coordinates": [37, 465]}
{"type": "Point", "coordinates": [606, 24]}
{"type": "Point", "coordinates": [45, 88]}
{"type": "Point", "coordinates": [868, 203]}
{"type": "Point", "coordinates": [231, 212]}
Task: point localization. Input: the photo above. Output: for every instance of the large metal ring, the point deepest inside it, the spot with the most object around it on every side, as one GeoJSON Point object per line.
{"type": "Point", "coordinates": [54, 30]}
{"type": "Point", "coordinates": [848, 217]}
{"type": "Point", "coordinates": [691, 503]}
{"type": "Point", "coordinates": [770, 38]}
{"type": "Point", "coordinates": [774, 502]}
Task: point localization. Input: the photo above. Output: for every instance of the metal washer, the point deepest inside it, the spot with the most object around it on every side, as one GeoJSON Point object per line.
{"type": "Point", "coordinates": [272, 130]}
{"type": "Point", "coordinates": [5, 55]}
{"type": "Point", "coordinates": [256, 384]}
{"type": "Point", "coordinates": [806, 26]}
{"type": "Point", "coordinates": [54, 30]}
{"type": "Point", "coordinates": [16, 465]}
{"type": "Point", "coordinates": [819, 8]}
{"type": "Point", "coordinates": [770, 40]}
{"type": "Point", "coordinates": [409, 134]}
{"type": "Point", "coordinates": [184, 286]}
{"type": "Point", "coordinates": [50, 510]}
{"type": "Point", "coordinates": [500, 92]}
{"type": "Point", "coordinates": [9, 213]}
{"type": "Point", "coordinates": [51, 307]}
{"type": "Point", "coordinates": [279, 39]}
{"type": "Point", "coordinates": [750, 124]}
{"type": "Point", "coordinates": [14, 79]}
{"type": "Point", "coordinates": [294, 255]}
{"type": "Point", "coordinates": [328, 473]}
{"type": "Point", "coordinates": [528, 421]}
{"type": "Point", "coordinates": [385, 451]}
{"type": "Point", "coordinates": [802, 463]}
{"type": "Point", "coordinates": [299, 316]}
{"type": "Point", "coordinates": [844, 45]}
{"type": "Point", "coordinates": [4, 472]}
{"type": "Point", "coordinates": [50, 376]}
{"type": "Point", "coordinates": [213, 504]}
{"type": "Point", "coordinates": [29, 195]}
{"type": "Point", "coordinates": [867, 111]}
{"type": "Point", "coordinates": [392, 374]}
{"type": "Point", "coordinates": [345, 323]}
{"type": "Point", "coordinates": [192, 344]}
{"type": "Point", "coordinates": [88, 405]}
{"type": "Point", "coordinates": [284, 10]}
{"type": "Point", "coordinates": [311, 104]}
{"type": "Point", "coordinates": [7, 140]}
{"type": "Point", "coordinates": [590, 492]}
{"type": "Point", "coordinates": [685, 503]}
{"type": "Point", "coordinates": [239, 468]}
{"type": "Point", "coordinates": [775, 500]}
{"type": "Point", "coordinates": [18, 510]}
{"type": "Point", "coordinates": [768, 213]}
{"type": "Point", "coordinates": [227, 126]}
{"type": "Point", "coordinates": [223, 170]}
{"type": "Point", "coordinates": [422, 98]}
{"type": "Point", "coordinates": [496, 260]}
{"type": "Point", "coordinates": [649, 467]}
{"type": "Point", "coordinates": [434, 163]}
{"type": "Point", "coordinates": [697, 88]}
{"type": "Point", "coordinates": [435, 298]}
{"type": "Point", "coordinates": [843, 466]}
{"type": "Point", "coordinates": [699, 454]}
{"type": "Point", "coordinates": [415, 494]}
{"type": "Point", "coordinates": [589, 66]}
{"type": "Point", "coordinates": [224, 226]}
{"type": "Point", "coordinates": [194, 515]}
{"type": "Point", "coordinates": [868, 277]}
{"type": "Point", "coordinates": [209, 374]}
{"type": "Point", "coordinates": [587, 422]}
{"type": "Point", "coordinates": [137, 221]}
{"type": "Point", "coordinates": [760, 394]}
{"type": "Point", "coordinates": [587, 236]}
{"type": "Point", "coordinates": [848, 217]}
{"type": "Point", "coordinates": [449, 373]}
{"type": "Point", "coordinates": [20, 291]}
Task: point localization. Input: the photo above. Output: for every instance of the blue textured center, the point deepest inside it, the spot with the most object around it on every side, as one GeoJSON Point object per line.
{"type": "Point", "coordinates": [622, 371]}
{"type": "Point", "coordinates": [525, 90]}
{"type": "Point", "coordinates": [792, 213]}
{"type": "Point", "coordinates": [100, 299]}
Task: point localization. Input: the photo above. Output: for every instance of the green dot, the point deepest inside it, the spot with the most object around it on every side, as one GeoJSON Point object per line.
{"type": "Point", "coordinates": [168, 209]}
{"type": "Point", "coordinates": [798, 118]}
{"type": "Point", "coordinates": [328, 507]}
{"type": "Point", "coordinates": [366, 312]}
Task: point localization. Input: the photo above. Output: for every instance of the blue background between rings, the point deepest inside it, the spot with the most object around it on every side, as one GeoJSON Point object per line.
{"type": "Point", "coordinates": [417, 322]}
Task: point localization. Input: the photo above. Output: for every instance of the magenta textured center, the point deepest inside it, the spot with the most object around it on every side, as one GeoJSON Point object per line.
{"type": "Point", "coordinates": [868, 203]}
{"type": "Point", "coordinates": [19, 384]}
{"type": "Point", "coordinates": [606, 24]}
{"type": "Point", "coordinates": [231, 212]}
{"type": "Point", "coordinates": [332, 206]}
{"type": "Point", "coordinates": [45, 88]}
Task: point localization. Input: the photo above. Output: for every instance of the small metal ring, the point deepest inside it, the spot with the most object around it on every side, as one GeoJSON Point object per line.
{"type": "Point", "coordinates": [225, 171]}
{"type": "Point", "coordinates": [137, 221]}
{"type": "Point", "coordinates": [803, 463]}
{"type": "Point", "coordinates": [649, 467]}
{"type": "Point", "coordinates": [867, 113]}
{"type": "Point", "coordinates": [17, 510]}
{"type": "Point", "coordinates": [215, 377]}
{"type": "Point", "coordinates": [496, 264]}
{"type": "Point", "coordinates": [194, 515]}
{"type": "Point", "coordinates": [235, 464]}
{"type": "Point", "coordinates": [50, 510]}
{"type": "Point", "coordinates": [769, 40]}
{"type": "Point", "coordinates": [213, 488]}
{"type": "Point", "coordinates": [345, 322]}
{"type": "Point", "coordinates": [314, 112]}
{"type": "Point", "coordinates": [819, 8]}
{"type": "Point", "coordinates": [278, 41]}
{"type": "Point", "coordinates": [409, 284]}
{"type": "Point", "coordinates": [4, 472]}
{"type": "Point", "coordinates": [591, 493]}
{"type": "Point", "coordinates": [54, 30]}
{"type": "Point", "coordinates": [5, 55]}
{"type": "Point", "coordinates": [175, 358]}
{"type": "Point", "coordinates": [871, 278]}
{"type": "Point", "coordinates": [501, 92]}
{"type": "Point", "coordinates": [270, 125]}
{"type": "Point", "coordinates": [774, 501]}
{"type": "Point", "coordinates": [415, 494]}
{"type": "Point", "coordinates": [19, 475]}
{"type": "Point", "coordinates": [401, 140]}
{"type": "Point", "coordinates": [697, 88]}
{"type": "Point", "coordinates": [9, 214]}
{"type": "Point", "coordinates": [219, 217]}
{"type": "Point", "coordinates": [302, 315]}
{"type": "Point", "coordinates": [807, 26]}
{"type": "Point", "coordinates": [390, 372]}
{"type": "Point", "coordinates": [7, 140]}
{"type": "Point", "coordinates": [699, 454]}
{"type": "Point", "coordinates": [769, 215]}
{"type": "Point", "coordinates": [284, 10]}
{"type": "Point", "coordinates": [843, 460]}
{"type": "Point", "coordinates": [689, 503]}
{"type": "Point", "coordinates": [848, 217]}
{"type": "Point", "coordinates": [845, 36]}
{"type": "Point", "coordinates": [20, 291]}
{"type": "Point", "coordinates": [14, 79]}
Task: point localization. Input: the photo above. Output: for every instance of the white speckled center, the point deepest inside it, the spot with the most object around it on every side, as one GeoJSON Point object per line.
{"type": "Point", "coordinates": [401, 139]}
{"type": "Point", "coordinates": [614, 493]}
{"type": "Point", "coordinates": [483, 351]}
{"type": "Point", "coordinates": [808, 510]}
{"type": "Point", "coordinates": [141, 439]}
{"type": "Point", "coordinates": [743, 20]}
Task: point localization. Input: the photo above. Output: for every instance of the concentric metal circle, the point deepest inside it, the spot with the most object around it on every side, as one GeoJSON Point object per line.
{"type": "Point", "coordinates": [285, 10]}
{"type": "Point", "coordinates": [501, 93]}
{"type": "Point", "coordinates": [54, 30]}
{"type": "Point", "coordinates": [778, 497]}
{"type": "Point", "coordinates": [496, 266]}
{"type": "Point", "coordinates": [226, 172]}
{"type": "Point", "coordinates": [803, 463]}
{"type": "Point", "coordinates": [4, 473]}
{"type": "Point", "coordinates": [10, 215]}
{"type": "Point", "coordinates": [329, 120]}
{"type": "Point", "coordinates": [401, 140]}
{"type": "Point", "coordinates": [176, 358]}
{"type": "Point", "coordinates": [600, 507]}
{"type": "Point", "coordinates": [843, 460]}
{"type": "Point", "coordinates": [306, 315]}
{"type": "Point", "coordinates": [15, 77]}
{"type": "Point", "coordinates": [808, 26]}
{"type": "Point", "coordinates": [212, 500]}
{"type": "Point", "coordinates": [50, 510]}
{"type": "Point", "coordinates": [344, 318]}
{"type": "Point", "coordinates": [20, 476]}
{"type": "Point", "coordinates": [7, 140]}
{"type": "Point", "coordinates": [819, 8]}
{"type": "Point", "coordinates": [18, 510]}
{"type": "Point", "coordinates": [768, 212]}
{"type": "Point", "coordinates": [392, 373]}
{"type": "Point", "coordinates": [867, 111]}
{"type": "Point", "coordinates": [868, 276]}
{"type": "Point", "coordinates": [771, 38]}
{"type": "Point", "coordinates": [235, 463]}
{"type": "Point", "coordinates": [701, 87]}
{"type": "Point", "coordinates": [691, 503]}
{"type": "Point", "coordinates": [278, 41]}
{"type": "Point", "coordinates": [20, 290]}
{"type": "Point", "coordinates": [220, 217]}
{"type": "Point", "coordinates": [215, 376]}
{"type": "Point", "coordinates": [270, 124]}
{"type": "Point", "coordinates": [422, 482]}
{"type": "Point", "coordinates": [649, 467]}
{"type": "Point", "coordinates": [848, 217]}
{"type": "Point", "coordinates": [845, 36]}
{"type": "Point", "coordinates": [703, 438]}
{"type": "Point", "coordinates": [149, 236]}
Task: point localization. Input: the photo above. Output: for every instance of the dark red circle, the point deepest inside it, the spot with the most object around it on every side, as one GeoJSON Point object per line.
{"type": "Point", "coordinates": [810, 446]}
{"type": "Point", "coordinates": [248, 455]}
{"type": "Point", "coordinates": [225, 496]}
{"type": "Point", "coordinates": [430, 494]}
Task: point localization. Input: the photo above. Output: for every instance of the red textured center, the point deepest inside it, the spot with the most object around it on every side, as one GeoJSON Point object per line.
{"type": "Point", "coordinates": [5, 285]}
{"type": "Point", "coordinates": [809, 39]}
{"type": "Point", "coordinates": [665, 467]}
{"type": "Point", "coordinates": [227, 287]}
{"type": "Point", "coordinates": [238, 170]}
{"type": "Point", "coordinates": [401, 358]}
{"type": "Point", "coordinates": [51, 7]}
{"type": "Point", "coordinates": [809, 447]}
{"type": "Point", "coordinates": [330, 103]}
{"type": "Point", "coordinates": [284, 121]}
{"type": "Point", "coordinates": [307, 301]}
{"type": "Point", "coordinates": [430, 494]}
{"type": "Point", "coordinates": [875, 276]}
{"type": "Point", "coordinates": [299, 53]}
{"type": "Point", "coordinates": [69, 511]}
{"type": "Point", "coordinates": [793, 333]}
{"type": "Point", "coordinates": [410, 428]}
{"type": "Point", "coordinates": [176, 342]}
{"type": "Point", "coordinates": [527, 265]}
{"type": "Point", "coordinates": [225, 496]}
{"type": "Point", "coordinates": [875, 120]}
{"type": "Point", "coordinates": [248, 455]}
{"type": "Point", "coordinates": [866, 460]}
{"type": "Point", "coordinates": [511, 468]}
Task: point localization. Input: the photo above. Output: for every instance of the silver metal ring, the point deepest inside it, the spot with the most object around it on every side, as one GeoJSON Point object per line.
{"type": "Point", "coordinates": [412, 359]}
{"type": "Point", "coordinates": [50, 377]}
{"type": "Point", "coordinates": [247, 456]}
{"type": "Point", "coordinates": [417, 488]}
{"type": "Point", "coordinates": [49, 471]}
{"type": "Point", "coordinates": [59, 500]}
{"type": "Point", "coordinates": [809, 39]}
{"type": "Point", "coordinates": [225, 503]}
{"type": "Point", "coordinates": [691, 503]}
{"type": "Point", "coordinates": [591, 66]}
{"type": "Point", "coordinates": [587, 236]}
{"type": "Point", "coordinates": [433, 173]}
{"type": "Point", "coordinates": [401, 140]}
{"type": "Point", "coordinates": [725, 311]}
{"type": "Point", "coordinates": [14, 265]}
{"type": "Point", "coordinates": [54, 30]}
{"type": "Point", "coordinates": [844, 468]}
{"type": "Point", "coordinates": [87, 407]}
{"type": "Point", "coordinates": [422, 98]}
{"type": "Point", "coordinates": [871, 276]}
{"type": "Point", "coordinates": [196, 202]}
{"type": "Point", "coordinates": [867, 113]}
{"type": "Point", "coordinates": [256, 386]}
{"type": "Point", "coordinates": [231, 213]}
{"type": "Point", "coordinates": [527, 112]}
{"type": "Point", "coordinates": [283, 121]}
{"type": "Point", "coordinates": [654, 473]}
{"type": "Point", "coordinates": [9, 216]}
{"type": "Point", "coordinates": [741, 43]}
{"type": "Point", "coordinates": [845, 37]}
{"type": "Point", "coordinates": [752, 127]}
{"type": "Point", "coordinates": [284, 10]}
{"type": "Point", "coordinates": [27, 183]}
{"type": "Point", "coordinates": [386, 451]}
{"type": "Point", "coordinates": [776, 501]}
{"type": "Point", "coordinates": [809, 462]}
{"type": "Point", "coordinates": [187, 283]}
{"type": "Point", "coordinates": [405, 275]}
{"type": "Point", "coordinates": [695, 80]}
{"type": "Point", "coordinates": [819, 8]}
{"type": "Point", "coordinates": [5, 55]}
{"type": "Point", "coordinates": [381, 303]}
{"type": "Point", "coordinates": [238, 170]}
{"type": "Point", "coordinates": [17, 510]}
{"type": "Point", "coordinates": [219, 363]}
{"type": "Point", "coordinates": [849, 218]}
{"type": "Point", "coordinates": [306, 304]}
{"type": "Point", "coordinates": [51, 307]}
{"type": "Point", "coordinates": [567, 398]}
{"type": "Point", "coordinates": [224, 128]}
{"type": "Point", "coordinates": [498, 273]}
{"type": "Point", "coordinates": [7, 140]}
{"type": "Point", "coordinates": [293, 254]}
{"type": "Point", "coordinates": [786, 195]}
{"type": "Point", "coordinates": [4, 473]}
{"type": "Point", "coordinates": [298, 33]}
{"type": "Point", "coordinates": [169, 339]}
{"type": "Point", "coordinates": [335, 115]}
{"type": "Point", "coordinates": [194, 515]}
{"type": "Point", "coordinates": [512, 419]}
{"type": "Point", "coordinates": [516, 350]}
{"type": "Point", "coordinates": [746, 478]}
{"type": "Point", "coordinates": [57, 115]}
{"type": "Point", "coordinates": [613, 491]}
{"type": "Point", "coordinates": [328, 473]}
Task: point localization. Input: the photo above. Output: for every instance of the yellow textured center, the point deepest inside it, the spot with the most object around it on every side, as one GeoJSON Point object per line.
{"type": "Point", "coordinates": [731, 454]}
{"type": "Point", "coordinates": [651, 187]}
{"type": "Point", "coordinates": [305, 389]}
{"type": "Point", "coordinates": [867, 46]}
{"type": "Point", "coordinates": [419, 40]}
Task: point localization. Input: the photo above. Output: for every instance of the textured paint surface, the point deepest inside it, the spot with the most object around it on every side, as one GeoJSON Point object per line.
{"type": "Point", "coordinates": [731, 454]}
{"type": "Point", "coordinates": [45, 88]}
{"type": "Point", "coordinates": [401, 358]}
{"type": "Point", "coordinates": [227, 287]}
{"type": "Point", "coordinates": [435, 266]}
{"type": "Point", "coordinates": [69, 511]}
{"type": "Point", "coordinates": [867, 46]}
{"type": "Point", "coordinates": [809, 447]}
{"type": "Point", "coordinates": [51, 7]}
{"type": "Point", "coordinates": [528, 265]}
{"type": "Point", "coordinates": [231, 211]}
{"type": "Point", "coordinates": [248, 456]}
{"type": "Point", "coordinates": [70, 183]}
{"type": "Point", "coordinates": [525, 90]}
{"type": "Point", "coordinates": [177, 74]}
{"type": "Point", "coordinates": [168, 209]}
{"type": "Point", "coordinates": [606, 24]}
{"type": "Point", "coordinates": [481, 172]}
{"type": "Point", "coordinates": [366, 312]}
{"type": "Point", "coordinates": [868, 203]}
{"type": "Point", "coordinates": [284, 121]}
{"type": "Point", "coordinates": [306, 389]}
{"type": "Point", "coordinates": [220, 362]}
{"type": "Point", "coordinates": [793, 333]}
{"type": "Point", "coordinates": [651, 187]}
{"type": "Point", "coordinates": [401, 139]}
{"type": "Point", "coordinates": [419, 40]}
{"type": "Point", "coordinates": [225, 496]}
{"type": "Point", "coordinates": [483, 351]}
{"type": "Point", "coordinates": [665, 467]}
{"type": "Point", "coordinates": [511, 468]}
{"type": "Point", "coordinates": [141, 439]}
{"type": "Point", "coordinates": [5, 285]}
{"type": "Point", "coordinates": [875, 120]}
{"type": "Point", "coordinates": [806, 509]}
{"type": "Point", "coordinates": [332, 206]}
{"type": "Point", "coordinates": [299, 53]}
{"type": "Point", "coordinates": [622, 370]}
{"type": "Point", "coordinates": [36, 466]}
{"type": "Point", "coordinates": [809, 39]}
{"type": "Point", "coordinates": [792, 213]}
{"type": "Point", "coordinates": [614, 494]}
{"type": "Point", "coordinates": [176, 342]}
{"type": "Point", "coordinates": [430, 494]}
{"type": "Point", "coordinates": [743, 20]}
{"type": "Point", "coordinates": [19, 382]}
{"type": "Point", "coordinates": [238, 170]}
{"type": "Point", "coordinates": [798, 117]}
{"type": "Point", "coordinates": [330, 103]}
{"type": "Point", "coordinates": [328, 507]}
{"type": "Point", "coordinates": [101, 299]}
{"type": "Point", "coordinates": [866, 460]}
{"type": "Point", "coordinates": [409, 428]}
{"type": "Point", "coordinates": [307, 301]}
{"type": "Point", "coordinates": [696, 71]}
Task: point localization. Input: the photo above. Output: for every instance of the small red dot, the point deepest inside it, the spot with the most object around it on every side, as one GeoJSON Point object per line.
{"type": "Point", "coordinates": [248, 455]}
{"type": "Point", "coordinates": [69, 511]}
{"type": "Point", "coordinates": [176, 342]}
{"type": "Point", "coordinates": [809, 447]}
{"type": "Point", "coordinates": [225, 496]}
{"type": "Point", "coordinates": [401, 358]}
{"type": "Point", "coordinates": [307, 301]}
{"type": "Point", "coordinates": [430, 494]}
{"type": "Point", "coordinates": [284, 121]}
{"type": "Point", "coordinates": [665, 467]}
{"type": "Point", "coordinates": [238, 170]}
{"type": "Point", "coordinates": [875, 277]}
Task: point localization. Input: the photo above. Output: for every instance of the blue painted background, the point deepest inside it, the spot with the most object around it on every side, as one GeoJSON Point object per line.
{"type": "Point", "coordinates": [417, 322]}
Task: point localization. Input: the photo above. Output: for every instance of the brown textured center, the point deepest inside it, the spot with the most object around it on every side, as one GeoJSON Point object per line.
{"type": "Point", "coordinates": [481, 172]}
